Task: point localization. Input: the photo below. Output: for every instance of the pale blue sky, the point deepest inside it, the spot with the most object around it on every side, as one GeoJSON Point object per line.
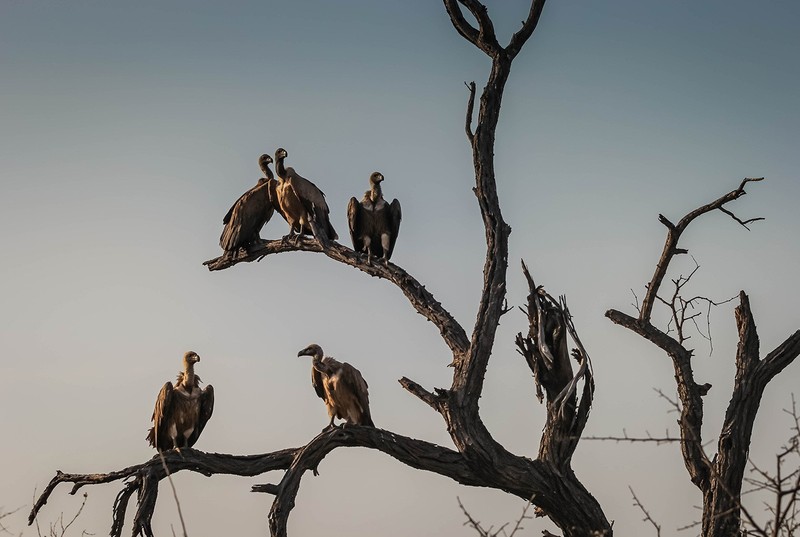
{"type": "Point", "coordinates": [128, 129]}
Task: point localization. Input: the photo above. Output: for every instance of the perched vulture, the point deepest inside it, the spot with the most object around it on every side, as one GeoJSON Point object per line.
{"type": "Point", "coordinates": [182, 411]}
{"type": "Point", "coordinates": [251, 211]}
{"type": "Point", "coordinates": [302, 204]}
{"type": "Point", "coordinates": [341, 386]}
{"type": "Point", "coordinates": [374, 224]}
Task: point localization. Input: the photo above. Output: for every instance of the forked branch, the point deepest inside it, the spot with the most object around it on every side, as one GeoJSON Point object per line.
{"type": "Point", "coordinates": [719, 479]}
{"type": "Point", "coordinates": [673, 235]}
{"type": "Point", "coordinates": [144, 478]}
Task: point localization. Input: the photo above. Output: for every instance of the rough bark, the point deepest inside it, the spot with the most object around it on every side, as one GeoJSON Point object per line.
{"type": "Point", "coordinates": [719, 479]}
{"type": "Point", "coordinates": [144, 477]}
{"type": "Point", "coordinates": [479, 460]}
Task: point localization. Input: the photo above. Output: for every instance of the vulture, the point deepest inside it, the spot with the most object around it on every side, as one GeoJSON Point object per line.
{"type": "Point", "coordinates": [341, 386]}
{"type": "Point", "coordinates": [251, 211]}
{"type": "Point", "coordinates": [301, 203]}
{"type": "Point", "coordinates": [182, 410]}
{"type": "Point", "coordinates": [373, 222]}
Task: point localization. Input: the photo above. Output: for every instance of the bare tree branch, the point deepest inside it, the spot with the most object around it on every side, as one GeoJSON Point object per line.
{"type": "Point", "coordinates": [484, 38]}
{"type": "Point", "coordinates": [674, 234]}
{"type": "Point", "coordinates": [719, 480]}
{"type": "Point", "coordinates": [647, 517]}
{"type": "Point", "coordinates": [522, 35]}
{"type": "Point", "coordinates": [144, 477]}
{"type": "Point", "coordinates": [476, 525]}
{"type": "Point", "coordinates": [421, 299]}
{"type": "Point", "coordinates": [479, 460]}
{"type": "Point", "coordinates": [470, 108]}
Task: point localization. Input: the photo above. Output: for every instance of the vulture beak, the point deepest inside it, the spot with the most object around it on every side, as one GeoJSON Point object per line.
{"type": "Point", "coordinates": [304, 352]}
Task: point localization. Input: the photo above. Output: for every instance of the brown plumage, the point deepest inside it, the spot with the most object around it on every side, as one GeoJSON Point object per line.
{"type": "Point", "coordinates": [374, 224]}
{"type": "Point", "coordinates": [252, 210]}
{"type": "Point", "coordinates": [302, 204]}
{"type": "Point", "coordinates": [341, 386]}
{"type": "Point", "coordinates": [181, 411]}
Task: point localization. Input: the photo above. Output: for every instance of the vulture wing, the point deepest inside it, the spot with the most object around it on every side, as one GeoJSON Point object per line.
{"type": "Point", "coordinates": [206, 409]}
{"type": "Point", "coordinates": [317, 382]}
{"type": "Point", "coordinates": [247, 217]}
{"type": "Point", "coordinates": [162, 417]}
{"type": "Point", "coordinates": [354, 217]}
{"type": "Point", "coordinates": [227, 217]}
{"type": "Point", "coordinates": [395, 215]}
{"type": "Point", "coordinates": [359, 388]}
{"type": "Point", "coordinates": [313, 200]}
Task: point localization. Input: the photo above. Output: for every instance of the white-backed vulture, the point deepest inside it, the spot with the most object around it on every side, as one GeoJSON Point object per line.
{"type": "Point", "coordinates": [181, 411]}
{"type": "Point", "coordinates": [252, 210]}
{"type": "Point", "coordinates": [374, 224]}
{"type": "Point", "coordinates": [341, 386]}
{"type": "Point", "coordinates": [302, 204]}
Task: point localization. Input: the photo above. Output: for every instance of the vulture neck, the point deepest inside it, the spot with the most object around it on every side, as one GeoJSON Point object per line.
{"type": "Point", "coordinates": [319, 365]}
{"type": "Point", "coordinates": [188, 375]}
{"type": "Point", "coordinates": [268, 173]}
{"type": "Point", "coordinates": [280, 169]}
{"type": "Point", "coordinates": [375, 192]}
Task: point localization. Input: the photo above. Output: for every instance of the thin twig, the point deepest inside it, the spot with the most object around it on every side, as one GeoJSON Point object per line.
{"type": "Point", "coordinates": [647, 517]}
{"type": "Point", "coordinates": [174, 493]}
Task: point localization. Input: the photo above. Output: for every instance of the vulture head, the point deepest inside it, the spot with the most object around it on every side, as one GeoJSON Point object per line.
{"type": "Point", "coordinates": [311, 350]}
{"type": "Point", "coordinates": [264, 161]}
{"type": "Point", "coordinates": [375, 178]}
{"type": "Point", "coordinates": [191, 357]}
{"type": "Point", "coordinates": [281, 153]}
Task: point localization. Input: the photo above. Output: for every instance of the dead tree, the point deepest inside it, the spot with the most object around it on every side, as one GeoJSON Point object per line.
{"type": "Point", "coordinates": [719, 478]}
{"type": "Point", "coordinates": [478, 460]}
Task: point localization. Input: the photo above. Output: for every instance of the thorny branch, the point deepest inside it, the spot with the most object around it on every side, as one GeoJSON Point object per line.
{"type": "Point", "coordinates": [647, 517]}
{"type": "Point", "coordinates": [490, 532]}
{"type": "Point", "coordinates": [58, 528]}
{"type": "Point", "coordinates": [781, 487]}
{"type": "Point", "coordinates": [686, 309]}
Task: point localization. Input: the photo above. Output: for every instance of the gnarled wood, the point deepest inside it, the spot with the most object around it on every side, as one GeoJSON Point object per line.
{"type": "Point", "coordinates": [479, 460]}
{"type": "Point", "coordinates": [421, 299]}
{"type": "Point", "coordinates": [720, 479]}
{"type": "Point", "coordinates": [144, 477]}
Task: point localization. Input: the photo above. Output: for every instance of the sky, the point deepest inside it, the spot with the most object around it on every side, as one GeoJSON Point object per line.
{"type": "Point", "coordinates": [127, 129]}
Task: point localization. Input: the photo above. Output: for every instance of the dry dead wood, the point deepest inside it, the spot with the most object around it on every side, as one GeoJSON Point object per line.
{"type": "Point", "coordinates": [719, 478]}
{"type": "Point", "coordinates": [478, 459]}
